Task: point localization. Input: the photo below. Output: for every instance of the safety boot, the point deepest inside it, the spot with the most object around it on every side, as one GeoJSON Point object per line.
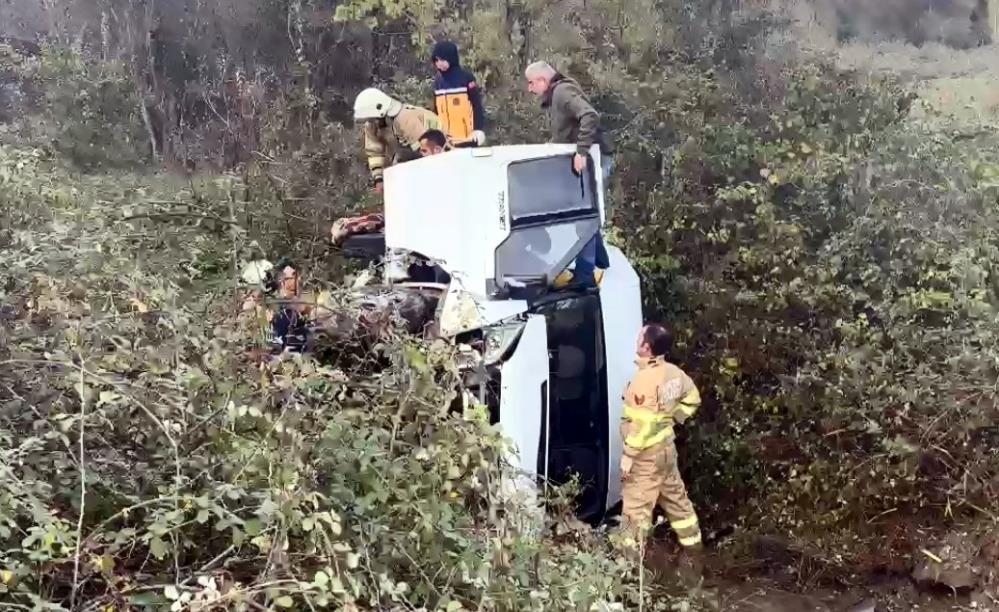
{"type": "Point", "coordinates": [566, 278]}
{"type": "Point", "coordinates": [562, 280]}
{"type": "Point", "coordinates": [690, 565]}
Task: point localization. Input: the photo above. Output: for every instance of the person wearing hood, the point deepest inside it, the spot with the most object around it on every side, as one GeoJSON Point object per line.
{"type": "Point", "coordinates": [573, 120]}
{"type": "Point", "coordinates": [457, 97]}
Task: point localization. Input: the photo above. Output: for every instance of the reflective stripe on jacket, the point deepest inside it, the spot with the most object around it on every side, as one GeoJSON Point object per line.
{"type": "Point", "coordinates": [659, 395]}
{"type": "Point", "coordinates": [648, 427]}
{"type": "Point", "coordinates": [456, 108]}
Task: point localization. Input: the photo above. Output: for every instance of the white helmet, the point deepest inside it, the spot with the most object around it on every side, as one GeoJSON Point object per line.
{"type": "Point", "coordinates": [372, 103]}
{"type": "Point", "coordinates": [255, 272]}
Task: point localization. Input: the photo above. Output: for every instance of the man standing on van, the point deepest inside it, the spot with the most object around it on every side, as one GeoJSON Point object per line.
{"type": "Point", "coordinates": [659, 396]}
{"type": "Point", "coordinates": [457, 97]}
{"type": "Point", "coordinates": [574, 121]}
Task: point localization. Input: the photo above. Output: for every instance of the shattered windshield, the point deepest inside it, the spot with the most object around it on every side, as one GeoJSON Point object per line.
{"type": "Point", "coordinates": [542, 251]}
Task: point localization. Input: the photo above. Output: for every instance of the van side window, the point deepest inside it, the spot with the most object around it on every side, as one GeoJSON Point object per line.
{"type": "Point", "coordinates": [547, 188]}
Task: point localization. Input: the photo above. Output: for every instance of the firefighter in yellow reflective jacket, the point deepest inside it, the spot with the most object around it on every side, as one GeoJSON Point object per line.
{"type": "Point", "coordinates": [659, 396]}
{"type": "Point", "coordinates": [392, 130]}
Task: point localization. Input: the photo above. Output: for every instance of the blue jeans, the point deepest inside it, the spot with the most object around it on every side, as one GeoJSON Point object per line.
{"type": "Point", "coordinates": [594, 254]}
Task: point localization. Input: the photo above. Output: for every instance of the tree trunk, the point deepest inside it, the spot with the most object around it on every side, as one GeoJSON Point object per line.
{"type": "Point", "coordinates": [106, 33]}
{"type": "Point", "coordinates": [154, 127]}
{"type": "Point", "coordinates": [992, 18]}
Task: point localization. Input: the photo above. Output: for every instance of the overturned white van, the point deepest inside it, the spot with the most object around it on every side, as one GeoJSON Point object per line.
{"type": "Point", "coordinates": [492, 228]}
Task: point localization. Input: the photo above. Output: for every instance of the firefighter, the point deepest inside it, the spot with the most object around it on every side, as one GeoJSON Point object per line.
{"type": "Point", "coordinates": [659, 396]}
{"type": "Point", "coordinates": [392, 130]}
{"type": "Point", "coordinates": [457, 97]}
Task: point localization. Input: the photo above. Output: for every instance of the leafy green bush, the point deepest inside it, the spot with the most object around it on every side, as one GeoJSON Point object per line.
{"type": "Point", "coordinates": [148, 462]}
{"type": "Point", "coordinates": [821, 262]}
{"type": "Point", "coordinates": [92, 111]}
{"type": "Point", "coordinates": [824, 261]}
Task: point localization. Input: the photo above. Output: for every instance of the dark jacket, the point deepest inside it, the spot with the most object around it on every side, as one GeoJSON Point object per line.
{"type": "Point", "coordinates": [571, 117]}
{"type": "Point", "coordinates": [457, 97]}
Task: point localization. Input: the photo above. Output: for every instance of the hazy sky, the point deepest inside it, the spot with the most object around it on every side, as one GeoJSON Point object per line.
{"type": "Point", "coordinates": [910, 20]}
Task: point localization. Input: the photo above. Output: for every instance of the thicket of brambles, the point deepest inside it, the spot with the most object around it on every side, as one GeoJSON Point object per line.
{"type": "Point", "coordinates": [825, 261]}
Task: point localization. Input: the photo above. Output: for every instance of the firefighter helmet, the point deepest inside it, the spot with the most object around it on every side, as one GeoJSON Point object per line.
{"type": "Point", "coordinates": [372, 103]}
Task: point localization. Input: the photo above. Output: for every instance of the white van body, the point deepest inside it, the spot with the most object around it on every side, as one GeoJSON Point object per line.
{"type": "Point", "coordinates": [501, 223]}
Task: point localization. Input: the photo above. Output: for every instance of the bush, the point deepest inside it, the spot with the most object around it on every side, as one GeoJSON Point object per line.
{"type": "Point", "coordinates": [822, 258]}
{"type": "Point", "coordinates": [92, 111]}
{"type": "Point", "coordinates": [817, 259]}
{"type": "Point", "coordinates": [149, 463]}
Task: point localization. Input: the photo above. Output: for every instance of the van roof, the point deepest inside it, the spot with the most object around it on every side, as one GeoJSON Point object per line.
{"type": "Point", "coordinates": [494, 216]}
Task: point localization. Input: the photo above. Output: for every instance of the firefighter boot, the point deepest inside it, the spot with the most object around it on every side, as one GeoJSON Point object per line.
{"type": "Point", "coordinates": [690, 566]}
{"type": "Point", "coordinates": [562, 280]}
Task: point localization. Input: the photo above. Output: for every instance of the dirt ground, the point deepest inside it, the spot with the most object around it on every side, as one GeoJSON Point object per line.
{"type": "Point", "coordinates": [776, 578]}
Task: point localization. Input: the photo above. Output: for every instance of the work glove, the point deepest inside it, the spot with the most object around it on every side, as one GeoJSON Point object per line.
{"type": "Point", "coordinates": [626, 464]}
{"type": "Point", "coordinates": [479, 137]}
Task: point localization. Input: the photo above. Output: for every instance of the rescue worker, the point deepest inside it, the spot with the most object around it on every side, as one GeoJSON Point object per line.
{"type": "Point", "coordinates": [391, 130]}
{"type": "Point", "coordinates": [433, 142]}
{"type": "Point", "coordinates": [457, 96]}
{"type": "Point", "coordinates": [288, 321]}
{"type": "Point", "coordinates": [574, 121]}
{"type": "Point", "coordinates": [659, 396]}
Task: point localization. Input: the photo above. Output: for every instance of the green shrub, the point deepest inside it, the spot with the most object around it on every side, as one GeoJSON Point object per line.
{"type": "Point", "coordinates": [92, 113]}
{"type": "Point", "coordinates": [209, 481]}
{"type": "Point", "coordinates": [823, 264]}
{"type": "Point", "coordinates": [824, 261]}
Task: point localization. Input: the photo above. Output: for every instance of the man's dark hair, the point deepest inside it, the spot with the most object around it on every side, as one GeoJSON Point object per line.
{"type": "Point", "coordinates": [658, 339]}
{"type": "Point", "coordinates": [436, 137]}
{"type": "Point", "coordinates": [273, 277]}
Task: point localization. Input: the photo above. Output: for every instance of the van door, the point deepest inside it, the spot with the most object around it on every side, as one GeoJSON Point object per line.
{"type": "Point", "coordinates": [523, 413]}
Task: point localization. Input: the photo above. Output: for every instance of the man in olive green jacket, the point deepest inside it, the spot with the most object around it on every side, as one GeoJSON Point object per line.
{"type": "Point", "coordinates": [573, 121]}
